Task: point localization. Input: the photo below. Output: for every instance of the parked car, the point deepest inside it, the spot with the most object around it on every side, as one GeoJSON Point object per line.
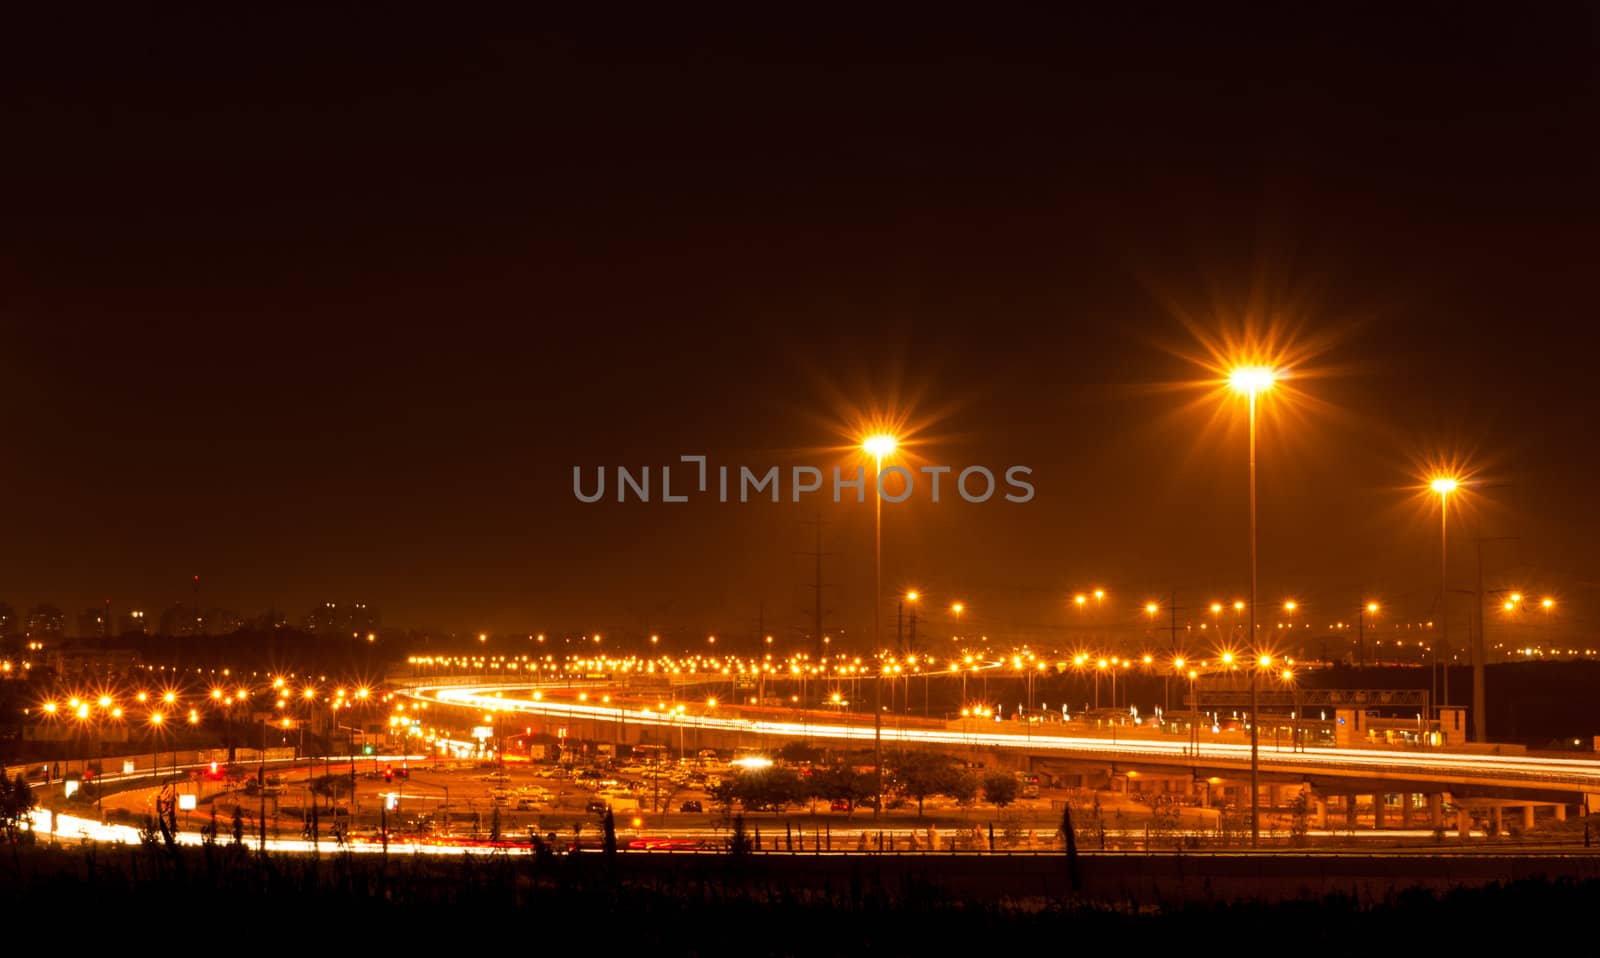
{"type": "Point", "coordinates": [690, 806]}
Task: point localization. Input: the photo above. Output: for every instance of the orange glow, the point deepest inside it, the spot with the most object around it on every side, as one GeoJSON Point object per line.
{"type": "Point", "coordinates": [1250, 380]}
{"type": "Point", "coordinates": [879, 445]}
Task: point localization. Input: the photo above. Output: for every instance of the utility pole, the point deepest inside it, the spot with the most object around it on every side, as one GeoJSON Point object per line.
{"type": "Point", "coordinates": [1480, 651]}
{"type": "Point", "coordinates": [1361, 637]}
{"type": "Point", "coordinates": [1172, 607]}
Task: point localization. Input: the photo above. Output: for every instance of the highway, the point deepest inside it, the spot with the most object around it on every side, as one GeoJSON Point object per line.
{"type": "Point", "coordinates": [1581, 776]}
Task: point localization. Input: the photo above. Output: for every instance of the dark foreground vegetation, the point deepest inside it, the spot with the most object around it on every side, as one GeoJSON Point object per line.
{"type": "Point", "coordinates": [734, 904]}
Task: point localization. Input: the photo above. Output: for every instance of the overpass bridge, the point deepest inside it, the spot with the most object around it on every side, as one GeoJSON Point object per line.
{"type": "Point", "coordinates": [1488, 776]}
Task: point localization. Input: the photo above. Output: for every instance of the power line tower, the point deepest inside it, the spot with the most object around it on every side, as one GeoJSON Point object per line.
{"type": "Point", "coordinates": [816, 589]}
{"type": "Point", "coordinates": [1480, 651]}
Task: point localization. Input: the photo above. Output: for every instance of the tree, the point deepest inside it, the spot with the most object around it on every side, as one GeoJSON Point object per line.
{"type": "Point", "coordinates": [1074, 877]}
{"type": "Point", "coordinates": [739, 840]}
{"type": "Point", "coordinates": [610, 841]}
{"type": "Point", "coordinates": [963, 788]}
{"type": "Point", "coordinates": [332, 787]}
{"type": "Point", "coordinates": [927, 773]}
{"type": "Point", "coordinates": [774, 788]}
{"type": "Point", "coordinates": [841, 783]}
{"type": "Point", "coordinates": [238, 826]}
{"type": "Point", "coordinates": [797, 752]}
{"type": "Point", "coordinates": [723, 793]}
{"type": "Point", "coordinates": [1000, 788]}
{"type": "Point", "coordinates": [16, 806]}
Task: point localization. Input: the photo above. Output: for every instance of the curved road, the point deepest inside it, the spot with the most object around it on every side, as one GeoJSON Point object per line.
{"type": "Point", "coordinates": [1581, 776]}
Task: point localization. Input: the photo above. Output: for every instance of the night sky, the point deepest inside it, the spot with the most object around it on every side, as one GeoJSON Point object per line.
{"type": "Point", "coordinates": [327, 306]}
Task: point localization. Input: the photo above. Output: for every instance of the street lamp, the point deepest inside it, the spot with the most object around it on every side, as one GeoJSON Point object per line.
{"type": "Point", "coordinates": [1252, 381]}
{"type": "Point", "coordinates": [1444, 486]}
{"type": "Point", "coordinates": [1361, 632]}
{"type": "Point", "coordinates": [878, 446]}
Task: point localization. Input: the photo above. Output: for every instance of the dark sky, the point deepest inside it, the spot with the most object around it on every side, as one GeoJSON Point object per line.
{"type": "Point", "coordinates": [327, 305]}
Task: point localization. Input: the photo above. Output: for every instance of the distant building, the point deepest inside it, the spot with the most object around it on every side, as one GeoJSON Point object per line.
{"type": "Point", "coordinates": [134, 622]}
{"type": "Point", "coordinates": [221, 622]}
{"type": "Point", "coordinates": [270, 620]}
{"type": "Point", "coordinates": [94, 623]}
{"type": "Point", "coordinates": [46, 623]}
{"type": "Point", "coordinates": [182, 619]}
{"type": "Point", "coordinates": [330, 618]}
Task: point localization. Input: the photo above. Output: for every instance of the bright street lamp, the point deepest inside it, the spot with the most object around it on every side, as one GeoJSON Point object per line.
{"type": "Point", "coordinates": [1361, 632]}
{"type": "Point", "coordinates": [878, 446]}
{"type": "Point", "coordinates": [1251, 381]}
{"type": "Point", "coordinates": [1444, 486]}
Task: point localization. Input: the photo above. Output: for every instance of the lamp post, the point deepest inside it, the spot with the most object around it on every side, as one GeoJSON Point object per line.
{"type": "Point", "coordinates": [1444, 485]}
{"type": "Point", "coordinates": [1194, 705]}
{"type": "Point", "coordinates": [1361, 632]}
{"type": "Point", "coordinates": [899, 636]}
{"type": "Point", "coordinates": [1251, 381]}
{"type": "Point", "coordinates": [877, 446]}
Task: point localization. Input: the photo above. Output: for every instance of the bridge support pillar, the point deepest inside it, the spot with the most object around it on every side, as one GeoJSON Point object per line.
{"type": "Point", "coordinates": [1319, 817]}
{"type": "Point", "coordinates": [1435, 810]}
{"type": "Point", "coordinates": [1350, 810]}
{"type": "Point", "coordinates": [1377, 810]}
{"type": "Point", "coordinates": [1495, 822]}
{"type": "Point", "coordinates": [1463, 823]}
{"type": "Point", "coordinates": [1274, 797]}
{"type": "Point", "coordinates": [1527, 818]}
{"type": "Point", "coordinates": [1561, 813]}
{"type": "Point", "coordinates": [1406, 804]}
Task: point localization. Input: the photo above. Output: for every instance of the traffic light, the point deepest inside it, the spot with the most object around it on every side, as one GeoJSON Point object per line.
{"type": "Point", "coordinates": [405, 771]}
{"type": "Point", "coordinates": [366, 750]}
{"type": "Point", "coordinates": [388, 773]}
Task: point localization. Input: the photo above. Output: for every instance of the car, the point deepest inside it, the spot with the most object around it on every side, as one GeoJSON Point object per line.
{"type": "Point", "coordinates": [596, 807]}
{"type": "Point", "coordinates": [690, 806]}
{"type": "Point", "coordinates": [840, 805]}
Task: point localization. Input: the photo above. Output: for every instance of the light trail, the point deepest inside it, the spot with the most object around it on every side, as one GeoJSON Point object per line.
{"type": "Point", "coordinates": [1464, 768]}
